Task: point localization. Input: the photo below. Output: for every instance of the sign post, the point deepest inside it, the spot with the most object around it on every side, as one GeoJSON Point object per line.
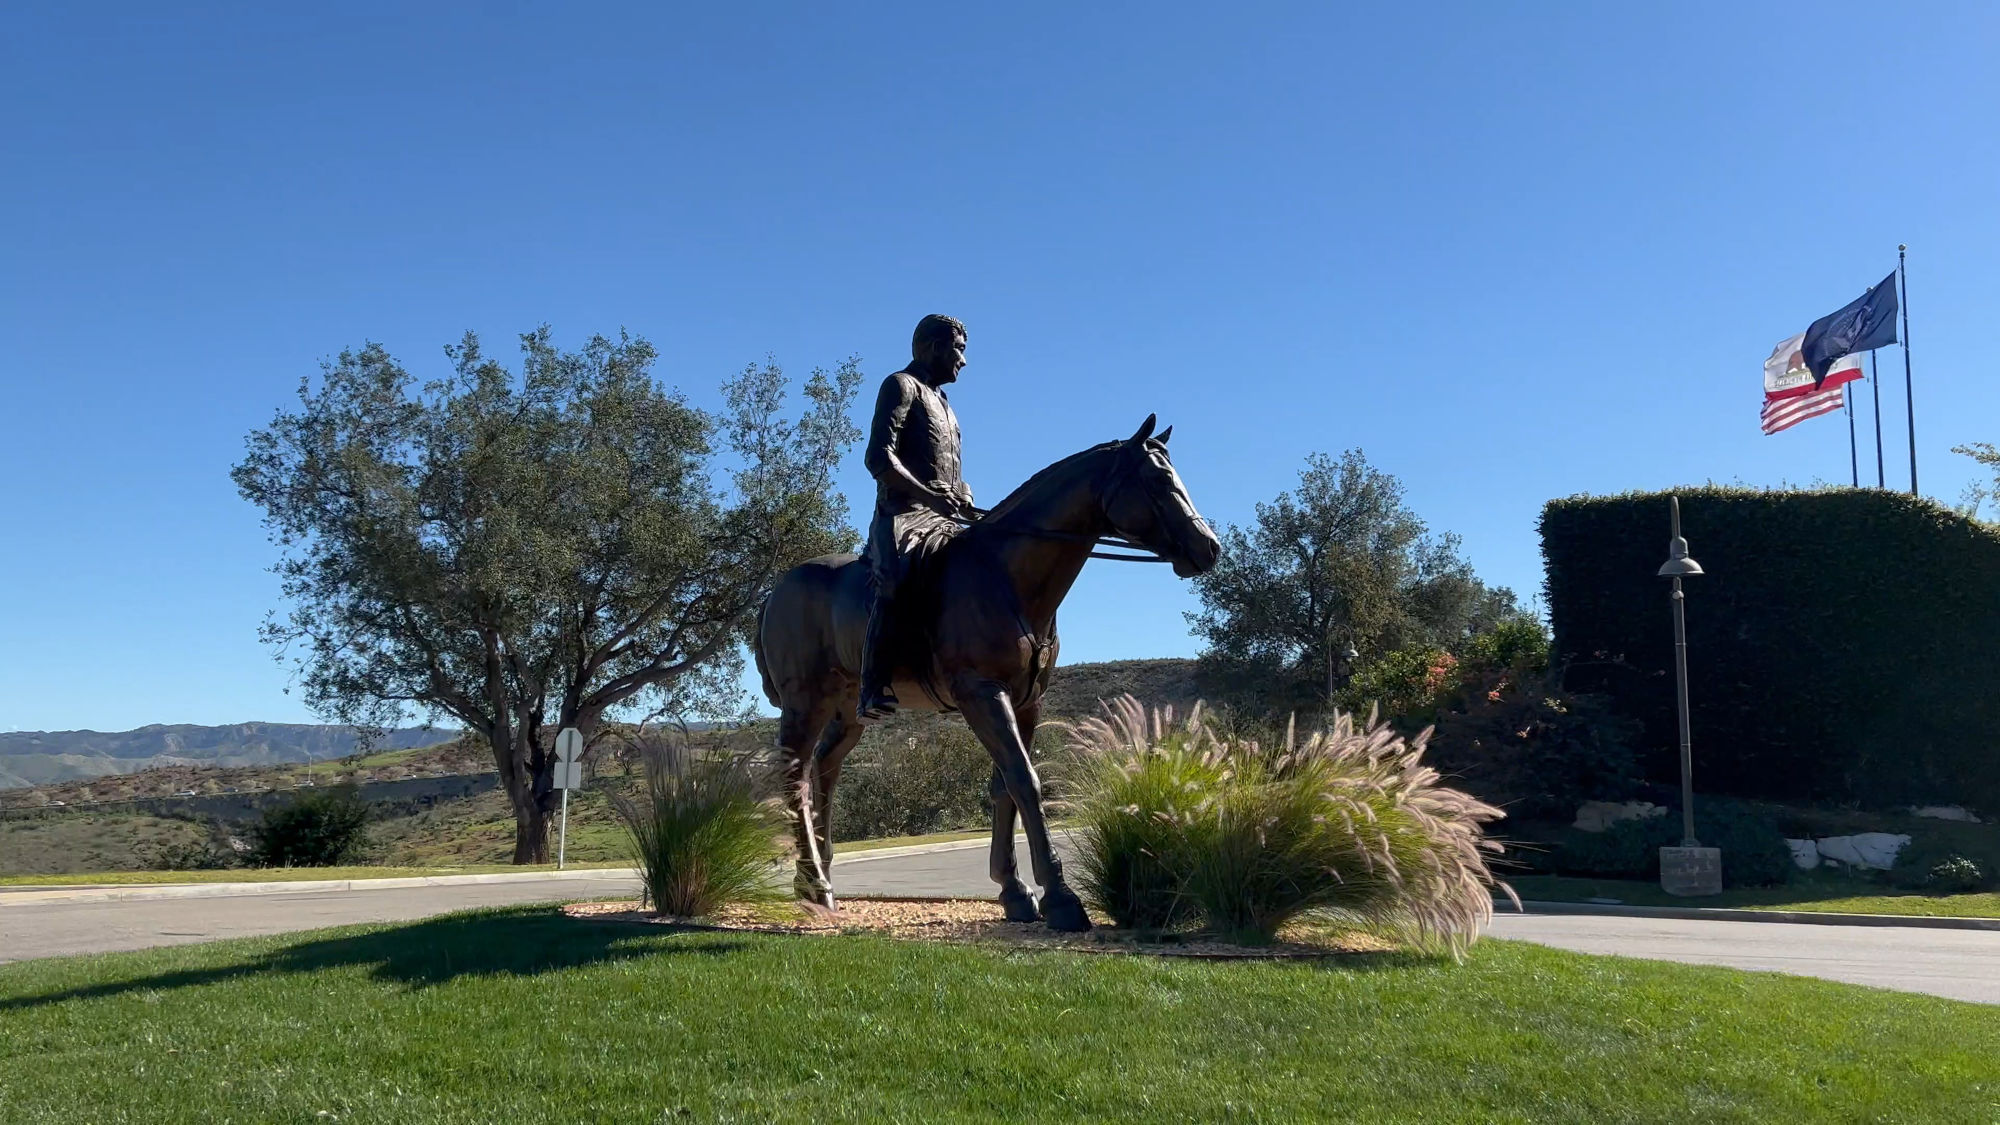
{"type": "Point", "coordinates": [568, 775]}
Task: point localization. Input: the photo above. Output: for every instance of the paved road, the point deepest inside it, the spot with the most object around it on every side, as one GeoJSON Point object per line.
{"type": "Point", "coordinates": [1961, 964]}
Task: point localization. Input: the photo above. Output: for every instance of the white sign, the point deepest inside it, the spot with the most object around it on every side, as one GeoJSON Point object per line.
{"type": "Point", "coordinates": [569, 745]}
{"type": "Point", "coordinates": [568, 775]}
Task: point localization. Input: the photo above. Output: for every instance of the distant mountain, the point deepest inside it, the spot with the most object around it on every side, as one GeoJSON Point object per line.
{"type": "Point", "coordinates": [45, 757]}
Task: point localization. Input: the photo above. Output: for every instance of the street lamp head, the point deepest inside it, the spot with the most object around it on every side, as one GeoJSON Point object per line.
{"type": "Point", "coordinates": [1678, 564]}
{"type": "Point", "coordinates": [1351, 655]}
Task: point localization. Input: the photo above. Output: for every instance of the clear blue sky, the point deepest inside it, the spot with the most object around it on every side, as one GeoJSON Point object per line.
{"type": "Point", "coordinates": [1512, 252]}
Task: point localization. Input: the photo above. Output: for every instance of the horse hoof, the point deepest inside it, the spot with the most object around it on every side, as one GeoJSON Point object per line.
{"type": "Point", "coordinates": [1063, 911]}
{"type": "Point", "coordinates": [1017, 904]}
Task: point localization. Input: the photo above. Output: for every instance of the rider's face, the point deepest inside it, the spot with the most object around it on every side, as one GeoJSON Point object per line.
{"type": "Point", "coordinates": [948, 359]}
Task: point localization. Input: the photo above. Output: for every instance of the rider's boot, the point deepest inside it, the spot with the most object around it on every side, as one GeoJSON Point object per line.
{"type": "Point", "coordinates": [878, 700]}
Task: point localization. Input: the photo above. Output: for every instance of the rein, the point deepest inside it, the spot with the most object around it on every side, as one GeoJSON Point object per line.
{"type": "Point", "coordinates": [1069, 537]}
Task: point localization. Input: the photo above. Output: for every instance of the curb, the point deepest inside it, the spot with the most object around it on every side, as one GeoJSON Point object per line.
{"type": "Point", "coordinates": [140, 892]}
{"type": "Point", "coordinates": [1731, 914]}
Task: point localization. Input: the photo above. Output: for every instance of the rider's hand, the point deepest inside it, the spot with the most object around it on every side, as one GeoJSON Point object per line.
{"type": "Point", "coordinates": [952, 499]}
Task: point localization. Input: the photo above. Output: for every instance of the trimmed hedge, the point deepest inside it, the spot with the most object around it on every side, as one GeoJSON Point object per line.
{"type": "Point", "coordinates": [1842, 645]}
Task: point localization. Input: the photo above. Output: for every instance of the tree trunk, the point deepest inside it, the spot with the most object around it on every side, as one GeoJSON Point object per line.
{"type": "Point", "coordinates": [525, 771]}
{"type": "Point", "coordinates": [531, 830]}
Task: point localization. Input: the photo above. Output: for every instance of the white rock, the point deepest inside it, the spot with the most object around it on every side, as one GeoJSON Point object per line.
{"type": "Point", "coordinates": [1946, 812]}
{"type": "Point", "coordinates": [1875, 850]}
{"type": "Point", "coordinates": [1596, 816]}
{"type": "Point", "coordinates": [1805, 854]}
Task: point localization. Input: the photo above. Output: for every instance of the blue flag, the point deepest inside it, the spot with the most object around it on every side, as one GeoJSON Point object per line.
{"type": "Point", "coordinates": [1864, 324]}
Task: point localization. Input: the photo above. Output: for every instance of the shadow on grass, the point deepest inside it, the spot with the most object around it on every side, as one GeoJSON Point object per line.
{"type": "Point", "coordinates": [512, 941]}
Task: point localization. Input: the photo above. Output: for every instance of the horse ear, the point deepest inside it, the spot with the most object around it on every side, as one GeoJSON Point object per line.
{"type": "Point", "coordinates": [1145, 429]}
{"type": "Point", "coordinates": [1166, 435]}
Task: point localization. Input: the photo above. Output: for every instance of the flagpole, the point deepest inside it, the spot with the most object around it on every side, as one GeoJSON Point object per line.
{"type": "Point", "coordinates": [1853, 457]}
{"type": "Point", "coordinates": [1909, 393]}
{"type": "Point", "coordinates": [1880, 481]}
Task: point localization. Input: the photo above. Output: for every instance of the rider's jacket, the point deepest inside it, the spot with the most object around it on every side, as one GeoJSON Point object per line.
{"type": "Point", "coordinates": [913, 423]}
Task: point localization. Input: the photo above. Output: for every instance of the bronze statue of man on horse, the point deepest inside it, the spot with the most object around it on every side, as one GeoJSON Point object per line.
{"type": "Point", "coordinates": [936, 617]}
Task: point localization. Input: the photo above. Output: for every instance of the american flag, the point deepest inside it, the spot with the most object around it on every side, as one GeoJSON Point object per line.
{"type": "Point", "coordinates": [1784, 413]}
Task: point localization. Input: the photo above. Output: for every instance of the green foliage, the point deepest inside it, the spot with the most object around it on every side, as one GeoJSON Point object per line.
{"type": "Point", "coordinates": [189, 855]}
{"type": "Point", "coordinates": [1534, 749]}
{"type": "Point", "coordinates": [1976, 493]}
{"type": "Point", "coordinates": [1406, 685]}
{"type": "Point", "coordinates": [1955, 875]}
{"type": "Point", "coordinates": [524, 552]}
{"type": "Point", "coordinates": [1516, 649]}
{"type": "Point", "coordinates": [1753, 848]}
{"type": "Point", "coordinates": [1839, 643]}
{"type": "Point", "coordinates": [1174, 823]}
{"type": "Point", "coordinates": [707, 830]}
{"type": "Point", "coordinates": [320, 827]}
{"type": "Point", "coordinates": [1340, 561]}
{"type": "Point", "coordinates": [1946, 863]}
{"type": "Point", "coordinates": [911, 777]}
{"type": "Point", "coordinates": [1505, 728]}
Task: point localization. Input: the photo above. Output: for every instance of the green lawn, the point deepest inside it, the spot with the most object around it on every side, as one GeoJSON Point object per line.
{"type": "Point", "coordinates": [522, 1015]}
{"type": "Point", "coordinates": [1822, 894]}
{"type": "Point", "coordinates": [288, 874]}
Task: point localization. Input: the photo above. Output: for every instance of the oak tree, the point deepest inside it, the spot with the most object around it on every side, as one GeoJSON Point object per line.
{"type": "Point", "coordinates": [1339, 563]}
{"type": "Point", "coordinates": [520, 552]}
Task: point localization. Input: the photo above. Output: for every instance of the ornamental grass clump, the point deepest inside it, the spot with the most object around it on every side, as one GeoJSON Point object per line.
{"type": "Point", "coordinates": [1345, 825]}
{"type": "Point", "coordinates": [707, 831]}
{"type": "Point", "coordinates": [1136, 781]}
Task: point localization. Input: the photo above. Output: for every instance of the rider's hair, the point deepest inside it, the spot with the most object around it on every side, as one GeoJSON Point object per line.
{"type": "Point", "coordinates": [935, 327]}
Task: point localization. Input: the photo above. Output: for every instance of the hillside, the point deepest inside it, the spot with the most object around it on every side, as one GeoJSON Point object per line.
{"type": "Point", "coordinates": [1074, 689]}
{"type": "Point", "coordinates": [30, 758]}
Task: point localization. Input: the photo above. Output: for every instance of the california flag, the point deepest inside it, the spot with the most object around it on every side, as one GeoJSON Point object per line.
{"type": "Point", "coordinates": [1789, 396]}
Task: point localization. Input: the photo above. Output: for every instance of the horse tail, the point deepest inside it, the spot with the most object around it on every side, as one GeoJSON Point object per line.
{"type": "Point", "coordinates": [757, 651]}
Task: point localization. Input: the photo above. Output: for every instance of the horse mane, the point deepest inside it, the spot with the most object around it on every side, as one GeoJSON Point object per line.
{"type": "Point", "coordinates": [1034, 483]}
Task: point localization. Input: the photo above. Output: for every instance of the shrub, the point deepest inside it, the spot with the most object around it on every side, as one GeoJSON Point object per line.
{"type": "Point", "coordinates": [318, 828]}
{"type": "Point", "coordinates": [1346, 824]}
{"type": "Point", "coordinates": [706, 831]}
{"type": "Point", "coordinates": [912, 776]}
{"type": "Point", "coordinates": [1516, 649]}
{"type": "Point", "coordinates": [1753, 849]}
{"type": "Point", "coordinates": [1955, 875]}
{"type": "Point", "coordinates": [1868, 690]}
{"type": "Point", "coordinates": [1406, 685]}
{"type": "Point", "coordinates": [1938, 863]}
{"type": "Point", "coordinates": [1533, 749]}
{"type": "Point", "coordinates": [189, 855]}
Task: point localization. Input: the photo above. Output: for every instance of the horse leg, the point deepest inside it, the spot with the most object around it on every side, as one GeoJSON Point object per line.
{"type": "Point", "coordinates": [796, 727]}
{"type": "Point", "coordinates": [990, 713]}
{"type": "Point", "coordinates": [1015, 901]}
{"type": "Point", "coordinates": [840, 736]}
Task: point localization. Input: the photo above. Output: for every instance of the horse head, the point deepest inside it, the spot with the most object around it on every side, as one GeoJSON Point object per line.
{"type": "Point", "coordinates": [1146, 503]}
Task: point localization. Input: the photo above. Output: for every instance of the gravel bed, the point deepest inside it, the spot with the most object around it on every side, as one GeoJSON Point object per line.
{"type": "Point", "coordinates": [970, 920]}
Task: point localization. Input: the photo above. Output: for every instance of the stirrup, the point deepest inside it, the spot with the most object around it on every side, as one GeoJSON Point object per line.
{"type": "Point", "coordinates": [877, 705]}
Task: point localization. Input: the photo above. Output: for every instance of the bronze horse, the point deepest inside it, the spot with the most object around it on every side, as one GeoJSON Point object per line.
{"type": "Point", "coordinates": [979, 638]}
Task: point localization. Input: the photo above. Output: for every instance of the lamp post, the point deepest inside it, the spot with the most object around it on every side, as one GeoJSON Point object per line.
{"type": "Point", "coordinates": [1689, 869]}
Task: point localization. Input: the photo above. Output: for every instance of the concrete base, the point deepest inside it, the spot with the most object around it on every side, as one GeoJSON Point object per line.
{"type": "Point", "coordinates": [1691, 872]}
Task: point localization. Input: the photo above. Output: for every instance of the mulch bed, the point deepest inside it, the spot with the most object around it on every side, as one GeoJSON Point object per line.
{"type": "Point", "coordinates": [973, 921]}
